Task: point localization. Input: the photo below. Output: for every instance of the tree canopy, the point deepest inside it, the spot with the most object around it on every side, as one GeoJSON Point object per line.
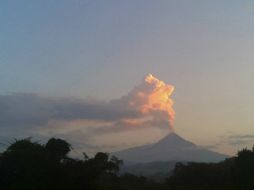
{"type": "Point", "coordinates": [27, 165]}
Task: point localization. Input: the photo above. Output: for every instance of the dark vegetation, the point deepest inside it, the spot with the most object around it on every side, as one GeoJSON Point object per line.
{"type": "Point", "coordinates": [27, 165]}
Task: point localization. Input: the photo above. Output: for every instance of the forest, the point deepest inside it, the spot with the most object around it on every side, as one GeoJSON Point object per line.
{"type": "Point", "coordinates": [28, 165]}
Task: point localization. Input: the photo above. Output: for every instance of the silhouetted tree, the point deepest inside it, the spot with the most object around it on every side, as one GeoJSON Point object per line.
{"type": "Point", "coordinates": [201, 176]}
{"type": "Point", "coordinates": [22, 165]}
{"type": "Point", "coordinates": [244, 174]}
{"type": "Point", "coordinates": [57, 149]}
{"type": "Point", "coordinates": [27, 165]}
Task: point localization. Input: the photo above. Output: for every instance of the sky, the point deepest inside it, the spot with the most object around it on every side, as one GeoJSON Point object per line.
{"type": "Point", "coordinates": [89, 57]}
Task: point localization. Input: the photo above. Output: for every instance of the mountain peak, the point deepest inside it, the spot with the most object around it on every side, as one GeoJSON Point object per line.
{"type": "Point", "coordinates": [174, 140]}
{"type": "Point", "coordinates": [173, 135]}
{"type": "Point", "coordinates": [171, 148]}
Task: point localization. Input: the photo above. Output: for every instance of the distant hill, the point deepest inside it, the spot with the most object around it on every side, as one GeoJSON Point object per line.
{"type": "Point", "coordinates": [170, 148]}
{"type": "Point", "coordinates": [157, 171]}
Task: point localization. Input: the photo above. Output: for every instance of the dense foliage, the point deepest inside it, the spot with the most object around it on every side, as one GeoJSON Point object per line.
{"type": "Point", "coordinates": [27, 165]}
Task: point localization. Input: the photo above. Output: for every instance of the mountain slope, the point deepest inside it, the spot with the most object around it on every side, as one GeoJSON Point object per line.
{"type": "Point", "coordinates": [171, 148]}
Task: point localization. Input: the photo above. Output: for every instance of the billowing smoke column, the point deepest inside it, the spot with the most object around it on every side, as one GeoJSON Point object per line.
{"type": "Point", "coordinates": [152, 99]}
{"type": "Point", "coordinates": [160, 99]}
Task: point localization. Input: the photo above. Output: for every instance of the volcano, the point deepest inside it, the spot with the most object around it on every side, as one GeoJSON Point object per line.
{"type": "Point", "coordinates": [170, 148]}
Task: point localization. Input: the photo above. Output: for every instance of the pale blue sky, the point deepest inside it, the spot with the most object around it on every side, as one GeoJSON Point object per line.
{"type": "Point", "coordinates": [102, 49]}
